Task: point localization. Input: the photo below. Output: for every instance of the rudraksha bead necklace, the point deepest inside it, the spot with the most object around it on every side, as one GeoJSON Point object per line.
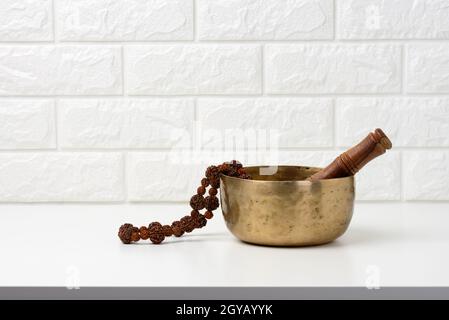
{"type": "Point", "coordinates": [157, 232]}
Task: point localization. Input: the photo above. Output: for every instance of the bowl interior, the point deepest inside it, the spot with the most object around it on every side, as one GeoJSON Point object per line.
{"type": "Point", "coordinates": [281, 173]}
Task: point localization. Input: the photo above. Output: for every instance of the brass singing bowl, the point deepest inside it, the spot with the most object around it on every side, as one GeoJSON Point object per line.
{"type": "Point", "coordinates": [282, 209]}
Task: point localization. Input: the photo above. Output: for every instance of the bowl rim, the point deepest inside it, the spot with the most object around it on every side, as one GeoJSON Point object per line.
{"type": "Point", "coordinates": [304, 182]}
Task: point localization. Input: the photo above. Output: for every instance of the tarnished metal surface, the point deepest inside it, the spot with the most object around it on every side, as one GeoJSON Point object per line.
{"type": "Point", "coordinates": [284, 210]}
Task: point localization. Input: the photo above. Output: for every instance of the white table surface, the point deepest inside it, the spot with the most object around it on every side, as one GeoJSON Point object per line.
{"type": "Point", "coordinates": [401, 244]}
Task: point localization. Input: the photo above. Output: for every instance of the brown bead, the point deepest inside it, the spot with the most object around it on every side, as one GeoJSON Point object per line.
{"type": "Point", "coordinates": [125, 233]}
{"type": "Point", "coordinates": [194, 214]}
{"type": "Point", "coordinates": [167, 230]}
{"type": "Point", "coordinates": [156, 232]}
{"type": "Point", "coordinates": [245, 176]}
{"type": "Point", "coordinates": [231, 168]}
{"type": "Point", "coordinates": [177, 229]}
{"type": "Point", "coordinates": [204, 182]}
{"type": "Point", "coordinates": [197, 202]}
{"type": "Point", "coordinates": [208, 214]}
{"type": "Point", "coordinates": [135, 235]}
{"type": "Point", "coordinates": [212, 172]}
{"type": "Point", "coordinates": [224, 168]}
{"type": "Point", "coordinates": [232, 172]}
{"type": "Point", "coordinates": [157, 238]}
{"type": "Point", "coordinates": [236, 164]}
{"type": "Point", "coordinates": [196, 221]}
{"type": "Point", "coordinates": [187, 224]}
{"type": "Point", "coordinates": [155, 227]}
{"type": "Point", "coordinates": [201, 190]}
{"type": "Point", "coordinates": [213, 191]}
{"type": "Point", "coordinates": [215, 183]}
{"type": "Point", "coordinates": [200, 222]}
{"type": "Point", "coordinates": [211, 203]}
{"type": "Point", "coordinates": [144, 233]}
{"type": "Point", "coordinates": [203, 222]}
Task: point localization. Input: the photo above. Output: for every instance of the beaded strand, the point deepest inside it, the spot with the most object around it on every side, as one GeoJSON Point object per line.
{"type": "Point", "coordinates": [156, 232]}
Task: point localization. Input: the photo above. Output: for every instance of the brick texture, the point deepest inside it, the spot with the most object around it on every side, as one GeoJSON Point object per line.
{"type": "Point", "coordinates": [130, 100]}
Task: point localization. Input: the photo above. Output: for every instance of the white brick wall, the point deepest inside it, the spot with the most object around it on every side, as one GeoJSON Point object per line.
{"type": "Point", "coordinates": [193, 69]}
{"type": "Point", "coordinates": [396, 19]}
{"type": "Point", "coordinates": [124, 20]}
{"type": "Point", "coordinates": [26, 20]}
{"type": "Point", "coordinates": [265, 20]}
{"type": "Point", "coordinates": [335, 68]}
{"type": "Point", "coordinates": [27, 124]}
{"type": "Point", "coordinates": [129, 100]}
{"type": "Point", "coordinates": [60, 70]}
{"type": "Point", "coordinates": [125, 123]}
{"type": "Point", "coordinates": [427, 66]}
{"type": "Point", "coordinates": [285, 116]}
{"type": "Point", "coordinates": [38, 176]}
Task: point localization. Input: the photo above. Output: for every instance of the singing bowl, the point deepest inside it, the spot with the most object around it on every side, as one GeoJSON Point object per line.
{"type": "Point", "coordinates": [283, 209]}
